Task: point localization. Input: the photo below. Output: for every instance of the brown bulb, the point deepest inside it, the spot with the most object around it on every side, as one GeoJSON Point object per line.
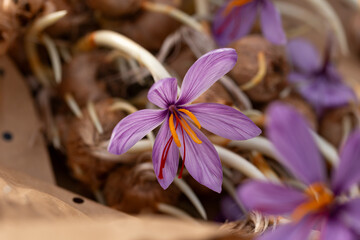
{"type": "Point", "coordinates": [79, 78]}
{"type": "Point", "coordinates": [83, 138]}
{"type": "Point", "coordinates": [134, 189]}
{"type": "Point", "coordinates": [247, 67]}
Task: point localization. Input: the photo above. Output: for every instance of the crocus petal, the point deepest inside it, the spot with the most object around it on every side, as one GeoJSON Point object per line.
{"type": "Point", "coordinates": [271, 24]}
{"type": "Point", "coordinates": [163, 93]}
{"type": "Point", "coordinates": [347, 173]}
{"type": "Point", "coordinates": [201, 160]}
{"type": "Point", "coordinates": [323, 93]}
{"type": "Point", "coordinates": [205, 72]}
{"type": "Point", "coordinates": [298, 78]}
{"type": "Point", "coordinates": [290, 135]}
{"type": "Point", "coordinates": [350, 215]}
{"type": "Point", "coordinates": [133, 128]}
{"type": "Point", "coordinates": [172, 160]}
{"type": "Point", "coordinates": [335, 230]}
{"type": "Point", "coordinates": [293, 231]}
{"type": "Point", "coordinates": [235, 25]}
{"type": "Point", "coordinates": [303, 55]}
{"type": "Point", "coordinates": [224, 121]}
{"type": "Point", "coordinates": [230, 210]}
{"type": "Point", "coordinates": [270, 198]}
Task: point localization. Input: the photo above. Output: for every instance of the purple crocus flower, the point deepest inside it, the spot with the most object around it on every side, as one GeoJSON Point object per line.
{"type": "Point", "coordinates": [236, 18]}
{"type": "Point", "coordinates": [319, 204]}
{"type": "Point", "coordinates": [318, 82]}
{"type": "Point", "coordinates": [177, 133]}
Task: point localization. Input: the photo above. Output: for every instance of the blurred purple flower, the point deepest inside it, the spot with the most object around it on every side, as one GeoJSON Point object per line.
{"type": "Point", "coordinates": [319, 205]}
{"type": "Point", "coordinates": [177, 132]}
{"type": "Point", "coordinates": [236, 18]}
{"type": "Point", "coordinates": [318, 82]}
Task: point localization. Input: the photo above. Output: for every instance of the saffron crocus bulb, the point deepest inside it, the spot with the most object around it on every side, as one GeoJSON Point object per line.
{"type": "Point", "coordinates": [318, 82]}
{"type": "Point", "coordinates": [237, 17]}
{"type": "Point", "coordinates": [319, 204]}
{"type": "Point", "coordinates": [181, 123]}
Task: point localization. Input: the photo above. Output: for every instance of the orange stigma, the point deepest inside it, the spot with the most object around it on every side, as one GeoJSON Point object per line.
{"type": "Point", "coordinates": [234, 3]}
{"type": "Point", "coordinates": [319, 197]}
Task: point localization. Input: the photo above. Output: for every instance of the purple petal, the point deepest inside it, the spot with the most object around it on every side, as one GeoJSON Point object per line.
{"type": "Point", "coordinates": [224, 121]}
{"type": "Point", "coordinates": [347, 173]}
{"type": "Point", "coordinates": [291, 231]}
{"type": "Point", "coordinates": [271, 23]}
{"type": "Point", "coordinates": [205, 72]}
{"type": "Point", "coordinates": [172, 160]}
{"type": "Point", "coordinates": [351, 215]}
{"type": "Point", "coordinates": [298, 78]}
{"type": "Point", "coordinates": [335, 230]}
{"type": "Point", "coordinates": [270, 198]}
{"type": "Point", "coordinates": [303, 55]}
{"type": "Point", "coordinates": [163, 93]}
{"type": "Point", "coordinates": [326, 92]}
{"type": "Point", "coordinates": [235, 25]}
{"type": "Point", "coordinates": [230, 210]}
{"type": "Point", "coordinates": [290, 135]}
{"type": "Point", "coordinates": [133, 128]}
{"type": "Point", "coordinates": [201, 160]}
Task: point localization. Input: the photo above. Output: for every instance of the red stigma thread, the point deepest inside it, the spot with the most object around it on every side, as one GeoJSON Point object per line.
{"type": "Point", "coordinates": [165, 153]}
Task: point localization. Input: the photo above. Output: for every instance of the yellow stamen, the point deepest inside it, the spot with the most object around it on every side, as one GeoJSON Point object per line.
{"type": "Point", "coordinates": [173, 130]}
{"type": "Point", "coordinates": [191, 116]}
{"type": "Point", "coordinates": [189, 131]}
{"type": "Point", "coordinates": [234, 3]}
{"type": "Point", "coordinates": [259, 75]}
{"type": "Point", "coordinates": [319, 197]}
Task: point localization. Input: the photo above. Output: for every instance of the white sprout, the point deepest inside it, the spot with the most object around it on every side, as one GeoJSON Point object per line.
{"type": "Point", "coordinates": [173, 12]}
{"type": "Point", "coordinates": [328, 12]}
{"type": "Point", "coordinates": [229, 187]}
{"type": "Point", "coordinates": [239, 163]}
{"type": "Point", "coordinates": [115, 40]}
{"type": "Point", "coordinates": [174, 211]}
{"type": "Point", "coordinates": [30, 47]}
{"type": "Point", "coordinates": [54, 57]}
{"type": "Point", "coordinates": [300, 13]}
{"type": "Point", "coordinates": [189, 193]}
{"type": "Point", "coordinates": [74, 107]}
{"type": "Point", "coordinates": [94, 117]}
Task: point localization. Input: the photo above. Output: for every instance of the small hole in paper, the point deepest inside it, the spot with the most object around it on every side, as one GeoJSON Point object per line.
{"type": "Point", "coordinates": [78, 200]}
{"type": "Point", "coordinates": [7, 136]}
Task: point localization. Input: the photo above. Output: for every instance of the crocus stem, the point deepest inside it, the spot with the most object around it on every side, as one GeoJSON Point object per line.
{"type": "Point", "coordinates": [94, 117]}
{"type": "Point", "coordinates": [239, 163]}
{"type": "Point", "coordinates": [189, 193]}
{"type": "Point", "coordinates": [173, 211]}
{"type": "Point", "coordinates": [30, 47]}
{"type": "Point", "coordinates": [328, 12]}
{"type": "Point", "coordinates": [54, 57]}
{"type": "Point", "coordinates": [74, 107]}
{"type": "Point", "coordinates": [115, 40]}
{"type": "Point", "coordinates": [173, 12]}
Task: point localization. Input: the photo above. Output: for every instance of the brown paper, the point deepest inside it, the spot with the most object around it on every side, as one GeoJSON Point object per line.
{"type": "Point", "coordinates": [33, 210]}
{"type": "Point", "coordinates": [25, 151]}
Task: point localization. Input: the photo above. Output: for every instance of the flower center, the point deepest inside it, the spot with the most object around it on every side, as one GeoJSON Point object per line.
{"type": "Point", "coordinates": [234, 3]}
{"type": "Point", "coordinates": [319, 197]}
{"type": "Point", "coordinates": [180, 121]}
